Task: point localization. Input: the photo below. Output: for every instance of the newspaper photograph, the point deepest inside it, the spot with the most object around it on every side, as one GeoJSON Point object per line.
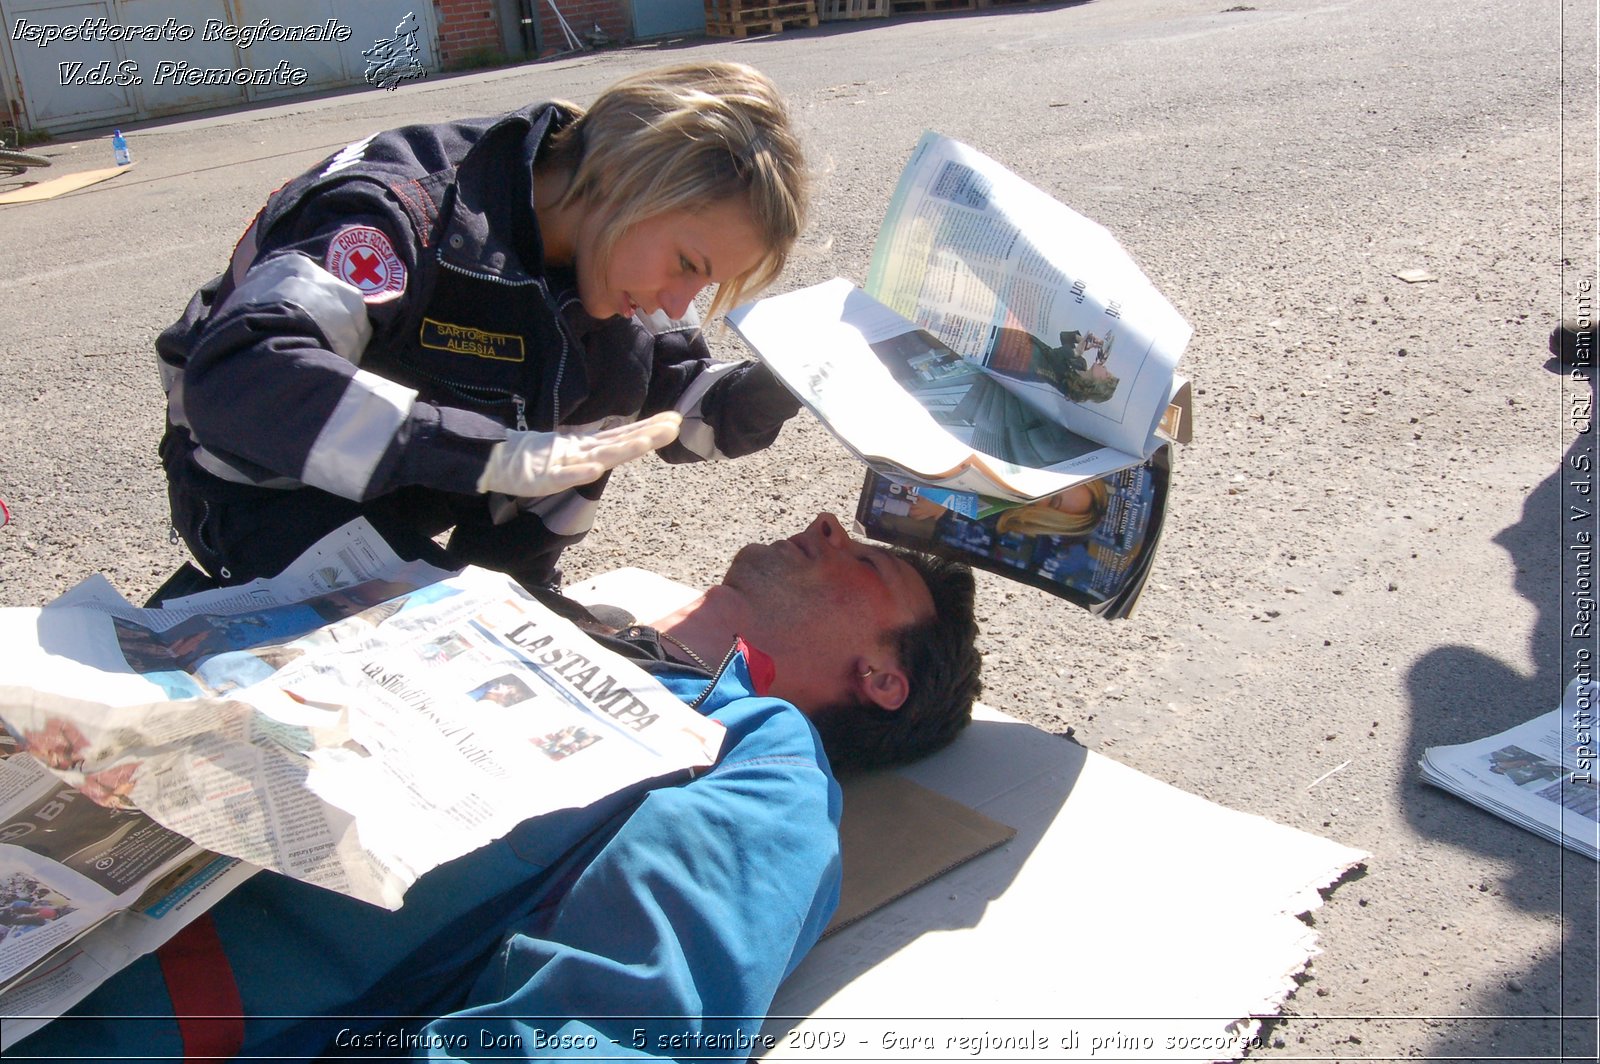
{"type": "Point", "coordinates": [1539, 775]}
{"type": "Point", "coordinates": [1018, 282]}
{"type": "Point", "coordinates": [1091, 544]}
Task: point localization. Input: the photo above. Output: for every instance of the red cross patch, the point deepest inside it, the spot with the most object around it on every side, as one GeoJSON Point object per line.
{"type": "Point", "coordinates": [363, 257]}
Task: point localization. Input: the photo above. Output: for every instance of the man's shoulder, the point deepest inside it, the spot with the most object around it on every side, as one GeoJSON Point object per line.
{"type": "Point", "coordinates": [762, 730]}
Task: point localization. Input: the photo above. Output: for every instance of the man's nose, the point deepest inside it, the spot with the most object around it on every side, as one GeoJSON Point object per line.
{"type": "Point", "coordinates": [831, 531]}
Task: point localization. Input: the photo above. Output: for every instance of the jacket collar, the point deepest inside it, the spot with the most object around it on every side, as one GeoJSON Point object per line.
{"type": "Point", "coordinates": [492, 229]}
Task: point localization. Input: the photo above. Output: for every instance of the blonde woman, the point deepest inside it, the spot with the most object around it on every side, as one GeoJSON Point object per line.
{"type": "Point", "coordinates": [1073, 513]}
{"type": "Point", "coordinates": [464, 326]}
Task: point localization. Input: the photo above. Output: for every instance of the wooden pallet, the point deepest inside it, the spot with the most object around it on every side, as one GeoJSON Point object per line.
{"type": "Point", "coordinates": [902, 6]}
{"type": "Point", "coordinates": [830, 10]}
{"type": "Point", "coordinates": [737, 18]}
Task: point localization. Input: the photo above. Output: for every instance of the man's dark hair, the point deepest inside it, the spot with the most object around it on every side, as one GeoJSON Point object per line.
{"type": "Point", "coordinates": [941, 659]}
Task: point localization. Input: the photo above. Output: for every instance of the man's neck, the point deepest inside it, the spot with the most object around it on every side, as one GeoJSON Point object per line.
{"type": "Point", "coordinates": [708, 625]}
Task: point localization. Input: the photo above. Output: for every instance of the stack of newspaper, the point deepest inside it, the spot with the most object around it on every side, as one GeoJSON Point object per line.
{"type": "Point", "coordinates": [1009, 380]}
{"type": "Point", "coordinates": [1539, 775]}
{"type": "Point", "coordinates": [351, 723]}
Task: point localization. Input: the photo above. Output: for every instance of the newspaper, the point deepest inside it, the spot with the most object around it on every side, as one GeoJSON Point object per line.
{"type": "Point", "coordinates": [362, 754]}
{"type": "Point", "coordinates": [1018, 359]}
{"type": "Point", "coordinates": [354, 739]}
{"type": "Point", "coordinates": [62, 978]}
{"type": "Point", "coordinates": [88, 889]}
{"type": "Point", "coordinates": [1048, 300]}
{"type": "Point", "coordinates": [1539, 775]}
{"type": "Point", "coordinates": [1004, 360]}
{"type": "Point", "coordinates": [66, 863]}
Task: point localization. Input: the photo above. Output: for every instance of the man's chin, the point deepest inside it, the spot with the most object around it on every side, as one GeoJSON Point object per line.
{"type": "Point", "coordinates": [753, 560]}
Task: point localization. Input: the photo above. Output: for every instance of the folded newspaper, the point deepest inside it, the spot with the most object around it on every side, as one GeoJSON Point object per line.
{"type": "Point", "coordinates": [352, 724]}
{"type": "Point", "coordinates": [1539, 775]}
{"type": "Point", "coordinates": [1007, 353]}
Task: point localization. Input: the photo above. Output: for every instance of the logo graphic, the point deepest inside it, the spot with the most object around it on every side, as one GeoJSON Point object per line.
{"type": "Point", "coordinates": [395, 60]}
{"type": "Point", "coordinates": [348, 155]}
{"type": "Point", "coordinates": [362, 256]}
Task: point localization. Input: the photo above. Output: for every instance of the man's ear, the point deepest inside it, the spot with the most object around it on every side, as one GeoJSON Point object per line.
{"type": "Point", "coordinates": [885, 686]}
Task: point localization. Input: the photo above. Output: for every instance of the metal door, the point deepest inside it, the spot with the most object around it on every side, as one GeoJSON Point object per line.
{"type": "Point", "coordinates": [186, 55]}
{"type": "Point", "coordinates": [662, 18]}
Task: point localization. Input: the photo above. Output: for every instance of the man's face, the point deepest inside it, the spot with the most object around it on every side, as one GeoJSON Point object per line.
{"type": "Point", "coordinates": [823, 599]}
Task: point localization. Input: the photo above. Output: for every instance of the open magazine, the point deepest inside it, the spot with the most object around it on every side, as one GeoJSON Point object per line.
{"type": "Point", "coordinates": [1091, 544]}
{"type": "Point", "coordinates": [1539, 775]}
{"type": "Point", "coordinates": [1006, 348]}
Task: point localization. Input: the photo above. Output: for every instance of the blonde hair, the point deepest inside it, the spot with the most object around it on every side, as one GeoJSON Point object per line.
{"type": "Point", "coordinates": [686, 137]}
{"type": "Point", "coordinates": [1040, 519]}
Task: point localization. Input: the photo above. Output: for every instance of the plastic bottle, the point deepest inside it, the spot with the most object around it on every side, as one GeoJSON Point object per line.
{"type": "Point", "coordinates": [119, 148]}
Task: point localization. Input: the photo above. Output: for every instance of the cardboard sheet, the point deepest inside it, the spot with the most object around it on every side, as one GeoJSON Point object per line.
{"type": "Point", "coordinates": [897, 835]}
{"type": "Point", "coordinates": [1126, 919]}
{"type": "Point", "coordinates": [60, 186]}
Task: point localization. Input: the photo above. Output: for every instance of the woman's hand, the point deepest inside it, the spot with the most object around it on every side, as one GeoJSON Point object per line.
{"type": "Point", "coordinates": [533, 464]}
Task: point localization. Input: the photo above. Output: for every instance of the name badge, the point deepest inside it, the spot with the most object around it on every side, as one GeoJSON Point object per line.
{"type": "Point", "coordinates": [477, 343]}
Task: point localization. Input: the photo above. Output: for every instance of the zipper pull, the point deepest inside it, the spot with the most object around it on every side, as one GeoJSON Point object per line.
{"type": "Point", "coordinates": [522, 412]}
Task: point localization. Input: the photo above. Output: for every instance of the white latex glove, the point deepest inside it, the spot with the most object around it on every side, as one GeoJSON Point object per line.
{"type": "Point", "coordinates": [533, 464]}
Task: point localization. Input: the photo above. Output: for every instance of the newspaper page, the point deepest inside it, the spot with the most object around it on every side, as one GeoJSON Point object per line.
{"type": "Point", "coordinates": [54, 955]}
{"type": "Point", "coordinates": [66, 864]}
{"type": "Point", "coordinates": [377, 747]}
{"type": "Point", "coordinates": [1048, 300]}
{"type": "Point", "coordinates": [900, 399]}
{"type": "Point", "coordinates": [352, 554]}
{"type": "Point", "coordinates": [59, 981]}
{"type": "Point", "coordinates": [1539, 775]}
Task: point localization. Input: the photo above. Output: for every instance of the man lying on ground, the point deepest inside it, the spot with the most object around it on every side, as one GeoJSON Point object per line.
{"type": "Point", "coordinates": [657, 922]}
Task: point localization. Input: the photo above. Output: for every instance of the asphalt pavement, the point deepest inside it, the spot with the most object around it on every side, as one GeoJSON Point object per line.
{"type": "Point", "coordinates": [1368, 551]}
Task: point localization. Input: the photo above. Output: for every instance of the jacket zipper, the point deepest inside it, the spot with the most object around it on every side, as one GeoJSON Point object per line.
{"type": "Point", "coordinates": [477, 393]}
{"type": "Point", "coordinates": [716, 677]}
{"type": "Point", "coordinates": [561, 363]}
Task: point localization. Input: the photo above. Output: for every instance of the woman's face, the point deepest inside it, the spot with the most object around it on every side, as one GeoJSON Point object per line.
{"type": "Point", "coordinates": [1077, 499]}
{"type": "Point", "coordinates": [663, 262]}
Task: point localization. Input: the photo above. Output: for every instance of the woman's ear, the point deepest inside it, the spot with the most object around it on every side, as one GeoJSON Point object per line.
{"type": "Point", "coordinates": [886, 685]}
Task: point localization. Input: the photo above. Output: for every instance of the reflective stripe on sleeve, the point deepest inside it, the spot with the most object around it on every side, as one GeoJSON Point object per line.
{"type": "Point", "coordinates": [337, 308]}
{"type": "Point", "coordinates": [696, 433]}
{"type": "Point", "coordinates": [355, 438]}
